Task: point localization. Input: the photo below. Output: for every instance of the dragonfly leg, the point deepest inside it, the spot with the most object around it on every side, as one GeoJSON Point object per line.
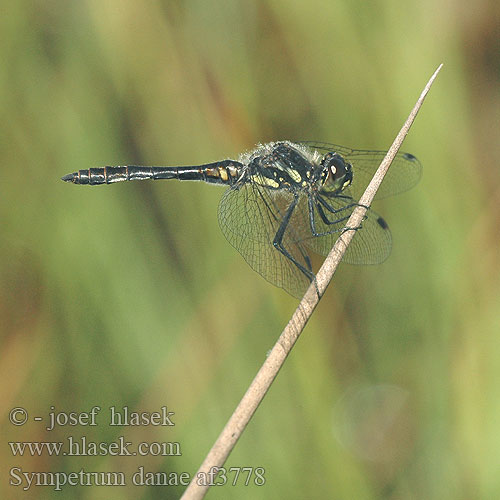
{"type": "Point", "coordinates": [338, 210]}
{"type": "Point", "coordinates": [343, 229]}
{"type": "Point", "coordinates": [278, 243]}
{"type": "Point", "coordinates": [322, 214]}
{"type": "Point", "coordinates": [329, 222]}
{"type": "Point", "coordinates": [322, 200]}
{"type": "Point", "coordinates": [331, 209]}
{"type": "Point", "coordinates": [325, 219]}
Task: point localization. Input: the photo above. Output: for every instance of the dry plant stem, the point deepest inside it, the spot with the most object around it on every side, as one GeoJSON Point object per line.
{"type": "Point", "coordinates": [264, 378]}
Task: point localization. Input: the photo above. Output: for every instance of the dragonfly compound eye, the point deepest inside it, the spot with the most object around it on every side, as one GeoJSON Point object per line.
{"type": "Point", "coordinates": [337, 173]}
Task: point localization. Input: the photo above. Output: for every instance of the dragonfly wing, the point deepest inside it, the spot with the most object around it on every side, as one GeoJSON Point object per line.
{"type": "Point", "coordinates": [404, 173]}
{"type": "Point", "coordinates": [250, 216]}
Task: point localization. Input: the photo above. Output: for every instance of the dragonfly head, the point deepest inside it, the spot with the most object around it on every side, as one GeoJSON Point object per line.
{"type": "Point", "coordinates": [336, 174]}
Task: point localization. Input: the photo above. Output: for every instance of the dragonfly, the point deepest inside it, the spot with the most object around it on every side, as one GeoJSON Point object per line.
{"type": "Point", "coordinates": [286, 200]}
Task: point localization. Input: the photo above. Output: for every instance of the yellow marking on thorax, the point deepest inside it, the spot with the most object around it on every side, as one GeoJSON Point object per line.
{"type": "Point", "coordinates": [294, 175]}
{"type": "Point", "coordinates": [264, 181]}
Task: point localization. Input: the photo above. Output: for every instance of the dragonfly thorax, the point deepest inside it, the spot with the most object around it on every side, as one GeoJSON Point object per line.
{"type": "Point", "coordinates": [281, 166]}
{"type": "Point", "coordinates": [336, 174]}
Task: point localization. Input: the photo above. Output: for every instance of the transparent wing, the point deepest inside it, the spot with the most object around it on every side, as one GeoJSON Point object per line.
{"type": "Point", "coordinates": [371, 244]}
{"type": "Point", "coordinates": [404, 173]}
{"type": "Point", "coordinates": [249, 217]}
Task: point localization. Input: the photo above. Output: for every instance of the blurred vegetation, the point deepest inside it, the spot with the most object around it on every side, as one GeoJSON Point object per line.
{"type": "Point", "coordinates": [129, 294]}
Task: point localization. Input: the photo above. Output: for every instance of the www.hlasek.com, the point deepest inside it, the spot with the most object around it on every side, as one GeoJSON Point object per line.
{"type": "Point", "coordinates": [81, 447]}
{"type": "Point", "coordinates": [217, 476]}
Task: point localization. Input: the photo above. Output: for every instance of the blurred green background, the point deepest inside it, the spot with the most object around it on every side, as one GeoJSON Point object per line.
{"type": "Point", "coordinates": [130, 295]}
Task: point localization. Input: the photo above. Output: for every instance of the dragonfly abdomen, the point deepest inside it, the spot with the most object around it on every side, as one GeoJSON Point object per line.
{"type": "Point", "coordinates": [223, 172]}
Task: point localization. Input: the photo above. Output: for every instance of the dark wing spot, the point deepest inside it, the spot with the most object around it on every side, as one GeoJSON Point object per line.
{"type": "Point", "coordinates": [409, 156]}
{"type": "Point", "coordinates": [382, 223]}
